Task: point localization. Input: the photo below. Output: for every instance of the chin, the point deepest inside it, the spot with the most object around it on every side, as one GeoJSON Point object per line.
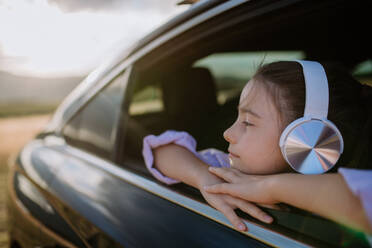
{"type": "Point", "coordinates": [242, 168]}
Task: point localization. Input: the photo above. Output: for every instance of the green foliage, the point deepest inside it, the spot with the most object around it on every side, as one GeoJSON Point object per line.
{"type": "Point", "coordinates": [21, 109]}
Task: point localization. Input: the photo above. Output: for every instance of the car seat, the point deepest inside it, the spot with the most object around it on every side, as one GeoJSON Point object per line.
{"type": "Point", "coordinates": [190, 99]}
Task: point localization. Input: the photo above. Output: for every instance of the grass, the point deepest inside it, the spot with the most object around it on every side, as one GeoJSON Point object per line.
{"type": "Point", "coordinates": [14, 132]}
{"type": "Point", "coordinates": [23, 109]}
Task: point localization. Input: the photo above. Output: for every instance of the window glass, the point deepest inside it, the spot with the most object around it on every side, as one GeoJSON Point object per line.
{"type": "Point", "coordinates": [147, 100]}
{"type": "Point", "coordinates": [93, 127]}
{"type": "Point", "coordinates": [232, 70]}
{"type": "Point", "coordinates": [363, 72]}
{"type": "Point", "coordinates": [145, 114]}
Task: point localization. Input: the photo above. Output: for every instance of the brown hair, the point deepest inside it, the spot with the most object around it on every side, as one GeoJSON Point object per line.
{"type": "Point", "coordinates": [284, 81]}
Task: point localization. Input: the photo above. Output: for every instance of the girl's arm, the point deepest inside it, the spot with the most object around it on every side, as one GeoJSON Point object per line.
{"type": "Point", "coordinates": [179, 163]}
{"type": "Point", "coordinates": [327, 195]}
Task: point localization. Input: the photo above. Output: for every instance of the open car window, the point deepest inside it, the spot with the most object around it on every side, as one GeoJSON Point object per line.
{"type": "Point", "coordinates": [231, 71]}
{"type": "Point", "coordinates": [363, 72]}
{"type": "Point", "coordinates": [192, 83]}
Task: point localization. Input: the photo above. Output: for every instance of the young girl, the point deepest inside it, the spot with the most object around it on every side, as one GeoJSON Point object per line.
{"type": "Point", "coordinates": [274, 97]}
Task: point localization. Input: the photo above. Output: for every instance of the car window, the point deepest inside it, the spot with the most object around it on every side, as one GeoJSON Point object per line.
{"type": "Point", "coordinates": [231, 71]}
{"type": "Point", "coordinates": [163, 98]}
{"type": "Point", "coordinates": [146, 100]}
{"type": "Point", "coordinates": [200, 98]}
{"type": "Point", "coordinates": [144, 114]}
{"type": "Point", "coordinates": [363, 72]}
{"type": "Point", "coordinates": [93, 127]}
{"type": "Point", "coordinates": [193, 83]}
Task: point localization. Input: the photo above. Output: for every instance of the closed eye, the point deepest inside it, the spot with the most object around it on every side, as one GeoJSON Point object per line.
{"type": "Point", "coordinates": [246, 123]}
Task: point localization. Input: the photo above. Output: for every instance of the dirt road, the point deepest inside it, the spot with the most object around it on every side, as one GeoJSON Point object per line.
{"type": "Point", "coordinates": [14, 133]}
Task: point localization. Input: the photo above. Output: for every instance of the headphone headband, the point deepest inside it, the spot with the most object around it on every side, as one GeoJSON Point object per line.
{"type": "Point", "coordinates": [312, 144]}
{"type": "Point", "coordinates": [316, 83]}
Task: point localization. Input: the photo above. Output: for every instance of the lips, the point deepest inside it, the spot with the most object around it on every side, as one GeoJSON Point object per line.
{"type": "Point", "coordinates": [233, 155]}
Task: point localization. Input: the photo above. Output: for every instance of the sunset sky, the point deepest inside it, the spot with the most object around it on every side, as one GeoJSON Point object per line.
{"type": "Point", "coordinates": [71, 37]}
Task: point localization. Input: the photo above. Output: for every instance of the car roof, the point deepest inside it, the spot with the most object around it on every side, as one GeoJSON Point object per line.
{"type": "Point", "coordinates": [193, 11]}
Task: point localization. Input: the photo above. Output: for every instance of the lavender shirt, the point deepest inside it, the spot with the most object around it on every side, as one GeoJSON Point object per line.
{"type": "Point", "coordinates": [213, 157]}
{"type": "Point", "coordinates": [359, 181]}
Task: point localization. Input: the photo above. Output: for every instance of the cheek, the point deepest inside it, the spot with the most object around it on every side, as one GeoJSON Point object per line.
{"type": "Point", "coordinates": [263, 156]}
{"type": "Point", "coordinates": [276, 162]}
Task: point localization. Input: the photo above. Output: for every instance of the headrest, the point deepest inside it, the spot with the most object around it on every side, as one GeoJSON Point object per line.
{"type": "Point", "coordinates": [192, 90]}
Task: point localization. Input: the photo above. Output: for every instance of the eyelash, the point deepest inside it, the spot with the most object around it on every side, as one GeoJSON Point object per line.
{"type": "Point", "coordinates": [246, 123]}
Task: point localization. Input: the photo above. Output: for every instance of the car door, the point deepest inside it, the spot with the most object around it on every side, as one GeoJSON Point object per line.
{"type": "Point", "coordinates": [99, 189]}
{"type": "Point", "coordinates": [106, 205]}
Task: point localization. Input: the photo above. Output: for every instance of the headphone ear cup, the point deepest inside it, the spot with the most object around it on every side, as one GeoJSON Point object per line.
{"type": "Point", "coordinates": [311, 146]}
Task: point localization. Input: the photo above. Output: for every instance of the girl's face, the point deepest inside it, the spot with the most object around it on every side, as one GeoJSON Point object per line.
{"type": "Point", "coordinates": [254, 137]}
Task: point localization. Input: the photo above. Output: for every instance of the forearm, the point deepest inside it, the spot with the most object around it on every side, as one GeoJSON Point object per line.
{"type": "Point", "coordinates": [326, 195]}
{"type": "Point", "coordinates": [178, 163]}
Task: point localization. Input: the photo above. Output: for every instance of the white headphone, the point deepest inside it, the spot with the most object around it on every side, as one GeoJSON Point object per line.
{"type": "Point", "coordinates": [312, 144]}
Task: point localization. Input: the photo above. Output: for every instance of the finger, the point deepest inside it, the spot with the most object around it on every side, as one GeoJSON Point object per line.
{"type": "Point", "coordinates": [222, 188]}
{"type": "Point", "coordinates": [253, 210]}
{"type": "Point", "coordinates": [224, 173]}
{"type": "Point", "coordinates": [230, 214]}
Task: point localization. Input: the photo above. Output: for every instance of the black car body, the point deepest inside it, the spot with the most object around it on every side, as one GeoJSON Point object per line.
{"type": "Point", "coordinates": [82, 181]}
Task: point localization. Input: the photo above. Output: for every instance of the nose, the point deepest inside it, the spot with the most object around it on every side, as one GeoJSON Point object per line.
{"type": "Point", "coordinates": [228, 135]}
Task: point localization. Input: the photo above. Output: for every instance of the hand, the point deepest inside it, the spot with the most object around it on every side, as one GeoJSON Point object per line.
{"type": "Point", "coordinates": [226, 204]}
{"type": "Point", "coordinates": [248, 187]}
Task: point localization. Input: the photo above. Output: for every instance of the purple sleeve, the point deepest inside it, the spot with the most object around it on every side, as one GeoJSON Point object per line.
{"type": "Point", "coordinates": [212, 157]}
{"type": "Point", "coordinates": [360, 183]}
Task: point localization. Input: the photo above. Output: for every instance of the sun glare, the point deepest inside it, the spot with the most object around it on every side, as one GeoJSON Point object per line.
{"type": "Point", "coordinates": [40, 39]}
